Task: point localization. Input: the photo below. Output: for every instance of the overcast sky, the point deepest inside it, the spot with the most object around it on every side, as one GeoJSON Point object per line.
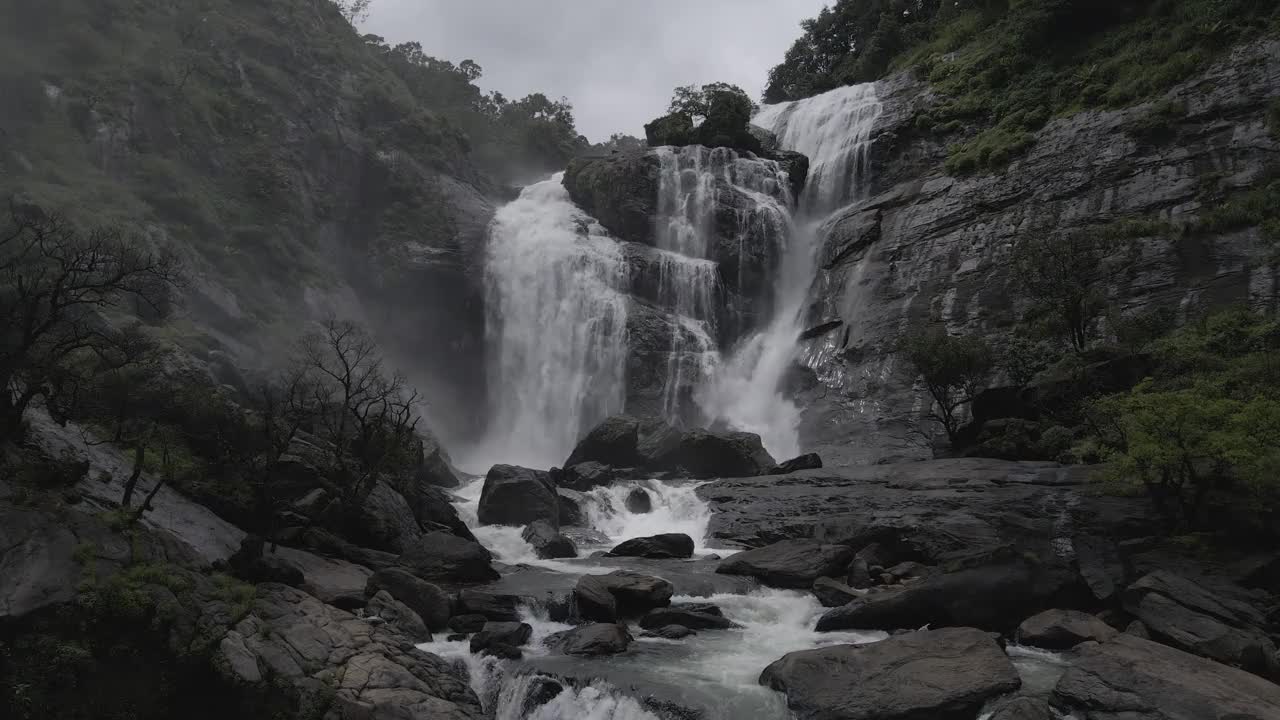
{"type": "Point", "coordinates": [616, 60]}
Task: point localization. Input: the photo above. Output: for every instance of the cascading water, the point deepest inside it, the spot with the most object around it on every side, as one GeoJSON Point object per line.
{"type": "Point", "coordinates": [557, 317]}
{"type": "Point", "coordinates": [834, 131]}
{"type": "Point", "coordinates": [694, 182]}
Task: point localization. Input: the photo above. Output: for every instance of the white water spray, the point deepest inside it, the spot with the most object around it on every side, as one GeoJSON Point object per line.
{"type": "Point", "coordinates": [834, 131]}
{"type": "Point", "coordinates": [693, 182]}
{"type": "Point", "coordinates": [557, 320]}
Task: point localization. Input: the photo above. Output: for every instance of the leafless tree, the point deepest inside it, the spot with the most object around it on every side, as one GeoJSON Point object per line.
{"type": "Point", "coordinates": [365, 416]}
{"type": "Point", "coordinates": [355, 11]}
{"type": "Point", "coordinates": [56, 285]}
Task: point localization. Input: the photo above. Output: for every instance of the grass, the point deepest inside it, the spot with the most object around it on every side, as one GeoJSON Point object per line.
{"type": "Point", "coordinates": [1007, 75]}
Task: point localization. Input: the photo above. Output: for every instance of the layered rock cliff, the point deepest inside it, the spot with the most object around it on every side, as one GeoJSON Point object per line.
{"type": "Point", "coordinates": [929, 248]}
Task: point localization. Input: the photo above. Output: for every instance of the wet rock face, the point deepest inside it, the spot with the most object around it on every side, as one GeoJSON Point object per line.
{"type": "Point", "coordinates": [1134, 678]}
{"type": "Point", "coordinates": [547, 541]}
{"type": "Point", "coordinates": [592, 639]}
{"type": "Point", "coordinates": [668, 545]}
{"type": "Point", "coordinates": [789, 563]}
{"type": "Point", "coordinates": [926, 244]}
{"type": "Point", "coordinates": [654, 446]}
{"type": "Point", "coordinates": [1063, 629]}
{"type": "Point", "coordinates": [444, 557]}
{"type": "Point", "coordinates": [518, 496]}
{"type": "Point", "coordinates": [1182, 613]}
{"type": "Point", "coordinates": [620, 594]}
{"type": "Point", "coordinates": [431, 603]}
{"type": "Point", "coordinates": [935, 674]}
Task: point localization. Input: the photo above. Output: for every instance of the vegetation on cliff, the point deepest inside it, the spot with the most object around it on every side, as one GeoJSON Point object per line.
{"type": "Point", "coordinates": [714, 115]}
{"type": "Point", "coordinates": [1003, 68]}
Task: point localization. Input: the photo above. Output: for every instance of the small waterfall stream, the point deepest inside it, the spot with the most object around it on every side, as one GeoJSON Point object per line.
{"type": "Point", "coordinates": [834, 131]}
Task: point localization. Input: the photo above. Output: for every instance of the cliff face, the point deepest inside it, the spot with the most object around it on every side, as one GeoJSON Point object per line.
{"type": "Point", "coordinates": [927, 247]}
{"type": "Point", "coordinates": [701, 231]}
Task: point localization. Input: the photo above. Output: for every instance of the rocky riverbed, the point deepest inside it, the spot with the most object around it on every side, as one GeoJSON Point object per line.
{"type": "Point", "coordinates": [950, 589]}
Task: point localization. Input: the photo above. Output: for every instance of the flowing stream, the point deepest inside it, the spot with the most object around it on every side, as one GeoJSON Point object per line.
{"type": "Point", "coordinates": [714, 672]}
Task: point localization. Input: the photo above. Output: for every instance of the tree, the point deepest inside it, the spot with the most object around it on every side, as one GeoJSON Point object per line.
{"type": "Point", "coordinates": [56, 285]}
{"type": "Point", "coordinates": [355, 11]}
{"type": "Point", "coordinates": [365, 418]}
{"type": "Point", "coordinates": [716, 115]}
{"type": "Point", "coordinates": [1065, 277]}
{"type": "Point", "coordinates": [953, 370]}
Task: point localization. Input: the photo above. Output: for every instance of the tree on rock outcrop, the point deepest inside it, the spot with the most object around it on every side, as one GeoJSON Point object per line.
{"type": "Point", "coordinates": [366, 417]}
{"type": "Point", "coordinates": [953, 370]}
{"type": "Point", "coordinates": [57, 285]}
{"type": "Point", "coordinates": [716, 115]}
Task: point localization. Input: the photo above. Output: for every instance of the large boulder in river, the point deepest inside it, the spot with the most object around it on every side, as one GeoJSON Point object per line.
{"type": "Point", "coordinates": [444, 557]}
{"type": "Point", "coordinates": [702, 453]}
{"type": "Point", "coordinates": [789, 563]}
{"type": "Point", "coordinates": [547, 541]}
{"type": "Point", "coordinates": [591, 639]}
{"type": "Point", "coordinates": [517, 496]}
{"type": "Point", "coordinates": [655, 446]}
{"type": "Point", "coordinates": [695, 616]}
{"type": "Point", "coordinates": [656, 547]}
{"type": "Point", "coordinates": [1063, 629]}
{"type": "Point", "coordinates": [501, 634]}
{"type": "Point", "coordinates": [991, 597]}
{"type": "Point", "coordinates": [612, 442]}
{"type": "Point", "coordinates": [493, 606]}
{"type": "Point", "coordinates": [945, 673]}
{"type": "Point", "coordinates": [1190, 617]}
{"type": "Point", "coordinates": [620, 594]}
{"type": "Point", "coordinates": [1128, 677]}
{"type": "Point", "coordinates": [431, 603]}
{"type": "Point", "coordinates": [808, 461]}
{"type": "Point", "coordinates": [571, 512]}
{"type": "Point", "coordinates": [398, 615]}
{"type": "Point", "coordinates": [584, 476]}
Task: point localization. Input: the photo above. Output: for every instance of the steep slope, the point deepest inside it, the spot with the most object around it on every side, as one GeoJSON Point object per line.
{"type": "Point", "coordinates": [299, 169]}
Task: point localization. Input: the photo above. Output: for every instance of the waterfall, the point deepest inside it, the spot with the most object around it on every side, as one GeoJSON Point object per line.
{"type": "Point", "coordinates": [834, 131]}
{"type": "Point", "coordinates": [696, 185]}
{"type": "Point", "coordinates": [556, 320]}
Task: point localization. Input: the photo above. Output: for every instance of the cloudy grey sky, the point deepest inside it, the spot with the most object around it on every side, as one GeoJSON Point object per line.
{"type": "Point", "coordinates": [616, 60]}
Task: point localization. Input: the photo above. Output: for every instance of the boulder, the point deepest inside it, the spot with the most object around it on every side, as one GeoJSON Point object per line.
{"type": "Point", "coordinates": [1024, 708]}
{"type": "Point", "coordinates": [493, 606]}
{"type": "Point", "coordinates": [946, 673]}
{"type": "Point", "coordinates": [612, 442]}
{"type": "Point", "coordinates": [620, 594]}
{"type": "Point", "coordinates": [584, 476]}
{"type": "Point", "coordinates": [669, 632]}
{"type": "Point", "coordinates": [789, 563]}
{"type": "Point", "coordinates": [1135, 679]}
{"type": "Point", "coordinates": [1063, 629]}
{"type": "Point", "coordinates": [547, 541]}
{"type": "Point", "coordinates": [397, 615]}
{"type": "Point", "coordinates": [638, 502]}
{"type": "Point", "coordinates": [832, 593]}
{"type": "Point", "coordinates": [571, 512]}
{"type": "Point", "coordinates": [445, 557]}
{"type": "Point", "coordinates": [518, 496]}
{"type": "Point", "coordinates": [434, 467]}
{"type": "Point", "coordinates": [291, 641]}
{"type": "Point", "coordinates": [500, 634]}
{"type": "Point", "coordinates": [326, 578]}
{"type": "Point", "coordinates": [431, 603]}
{"type": "Point", "coordinates": [667, 545]}
{"type": "Point", "coordinates": [1188, 616]}
{"type": "Point", "coordinates": [694, 616]}
{"type": "Point", "coordinates": [434, 509]}
{"type": "Point", "coordinates": [592, 639]}
{"type": "Point", "coordinates": [859, 573]}
{"type": "Point", "coordinates": [702, 453]}
{"type": "Point", "coordinates": [384, 521]}
{"type": "Point", "coordinates": [808, 461]}
{"type": "Point", "coordinates": [990, 597]}
{"type": "Point", "coordinates": [467, 624]}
